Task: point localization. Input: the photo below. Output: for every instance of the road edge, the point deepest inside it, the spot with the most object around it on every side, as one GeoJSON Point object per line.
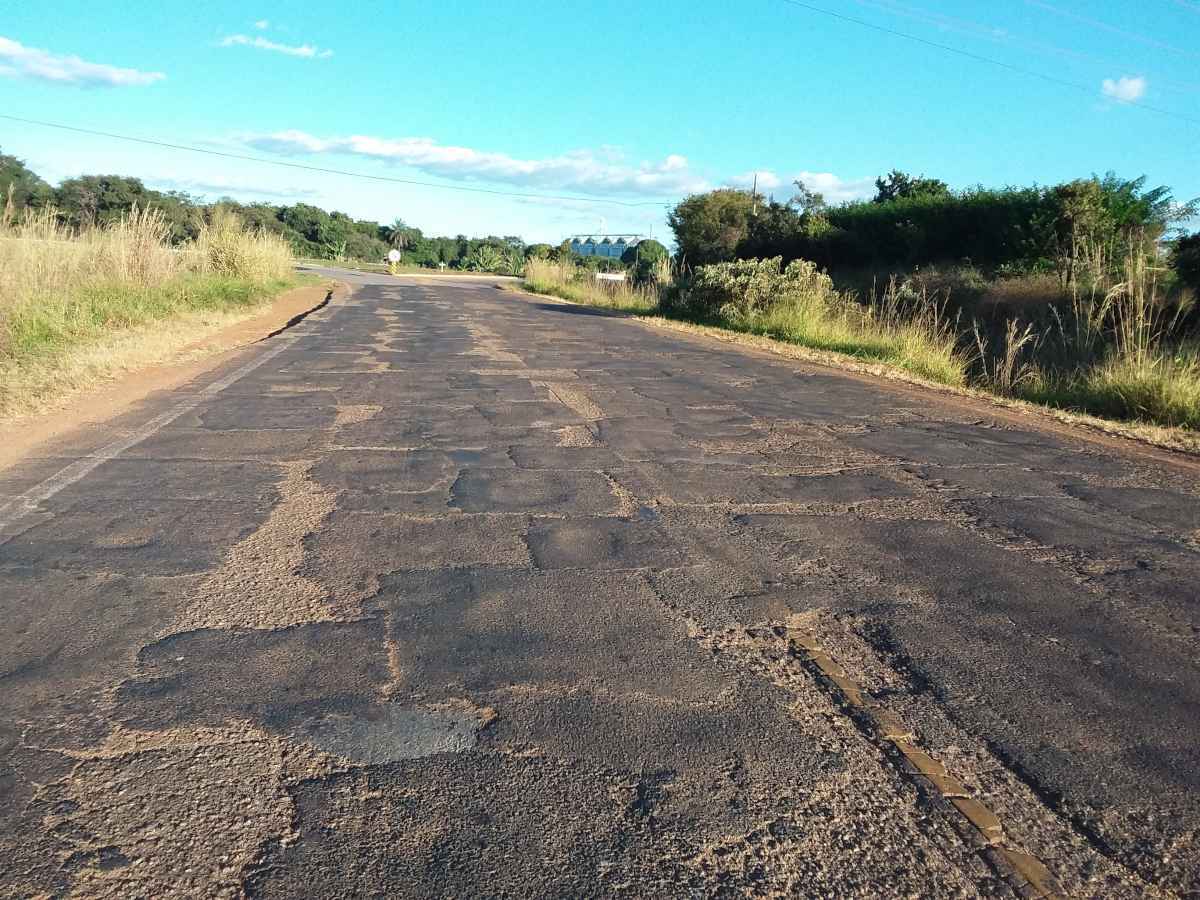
{"type": "Point", "coordinates": [1120, 436]}
{"type": "Point", "coordinates": [94, 407]}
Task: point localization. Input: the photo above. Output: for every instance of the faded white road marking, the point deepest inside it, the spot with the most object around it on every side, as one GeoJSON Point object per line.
{"type": "Point", "coordinates": [21, 506]}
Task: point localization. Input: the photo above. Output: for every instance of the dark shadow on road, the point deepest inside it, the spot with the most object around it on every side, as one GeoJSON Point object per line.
{"type": "Point", "coordinates": [581, 310]}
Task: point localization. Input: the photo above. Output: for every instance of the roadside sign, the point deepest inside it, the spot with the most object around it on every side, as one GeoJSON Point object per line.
{"type": "Point", "coordinates": [393, 256]}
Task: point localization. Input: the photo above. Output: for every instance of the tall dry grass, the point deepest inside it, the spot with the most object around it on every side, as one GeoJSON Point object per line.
{"type": "Point", "coordinates": [62, 291]}
{"type": "Point", "coordinates": [565, 279]}
{"type": "Point", "coordinates": [226, 247]}
{"type": "Point", "coordinates": [912, 333]}
{"type": "Point", "coordinates": [40, 258]}
{"type": "Point", "coordinates": [1121, 354]}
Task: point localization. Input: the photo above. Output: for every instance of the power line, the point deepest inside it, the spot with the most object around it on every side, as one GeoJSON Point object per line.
{"type": "Point", "coordinates": [981, 58]}
{"type": "Point", "coordinates": [985, 31]}
{"type": "Point", "coordinates": [1111, 29]}
{"type": "Point", "coordinates": [307, 168]}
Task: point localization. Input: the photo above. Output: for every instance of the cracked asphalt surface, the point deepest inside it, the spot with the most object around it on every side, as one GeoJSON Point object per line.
{"type": "Point", "coordinates": [470, 593]}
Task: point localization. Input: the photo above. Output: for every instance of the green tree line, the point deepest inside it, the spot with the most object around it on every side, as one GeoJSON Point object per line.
{"type": "Point", "coordinates": [312, 232]}
{"type": "Point", "coordinates": [914, 221]}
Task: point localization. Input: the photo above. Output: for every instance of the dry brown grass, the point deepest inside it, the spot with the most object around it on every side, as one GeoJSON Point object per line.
{"type": "Point", "coordinates": [79, 307]}
{"type": "Point", "coordinates": [43, 385]}
{"type": "Point", "coordinates": [568, 281]}
{"type": "Point", "coordinates": [1022, 293]}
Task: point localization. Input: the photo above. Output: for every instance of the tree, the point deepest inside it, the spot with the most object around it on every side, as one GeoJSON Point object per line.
{"type": "Point", "coordinates": [1185, 260]}
{"type": "Point", "coordinates": [98, 199]}
{"type": "Point", "coordinates": [538, 251]}
{"type": "Point", "coordinates": [1131, 208]}
{"type": "Point", "coordinates": [645, 251]}
{"type": "Point", "coordinates": [26, 188]}
{"type": "Point", "coordinates": [1097, 221]}
{"type": "Point", "coordinates": [643, 257]}
{"type": "Point", "coordinates": [103, 199]}
{"type": "Point", "coordinates": [709, 227]}
{"type": "Point", "coordinates": [400, 236]}
{"type": "Point", "coordinates": [897, 185]}
{"type": "Point", "coordinates": [807, 200]}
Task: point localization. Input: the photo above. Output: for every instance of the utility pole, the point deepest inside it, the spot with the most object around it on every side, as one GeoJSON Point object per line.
{"type": "Point", "coordinates": [754, 194]}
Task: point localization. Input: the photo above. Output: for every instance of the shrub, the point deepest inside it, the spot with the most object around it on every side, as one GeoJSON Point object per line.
{"type": "Point", "coordinates": [1185, 260]}
{"type": "Point", "coordinates": [709, 227]}
{"type": "Point", "coordinates": [226, 247]}
{"type": "Point", "coordinates": [499, 260]}
{"type": "Point", "coordinates": [748, 286]}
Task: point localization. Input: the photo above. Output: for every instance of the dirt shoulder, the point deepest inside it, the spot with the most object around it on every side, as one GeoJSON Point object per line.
{"type": "Point", "coordinates": [24, 434]}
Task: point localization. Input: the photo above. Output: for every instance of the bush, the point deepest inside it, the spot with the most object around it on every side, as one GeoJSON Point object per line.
{"type": "Point", "coordinates": [709, 227]}
{"type": "Point", "coordinates": [498, 260]}
{"type": "Point", "coordinates": [1075, 227]}
{"type": "Point", "coordinates": [746, 286]}
{"type": "Point", "coordinates": [226, 247]}
{"type": "Point", "coordinates": [1185, 260]}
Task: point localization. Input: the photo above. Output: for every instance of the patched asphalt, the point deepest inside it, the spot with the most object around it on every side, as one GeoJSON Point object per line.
{"type": "Point", "coordinates": [468, 593]}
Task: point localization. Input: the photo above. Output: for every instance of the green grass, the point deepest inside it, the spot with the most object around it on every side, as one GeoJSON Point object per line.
{"type": "Point", "coordinates": [42, 330]}
{"type": "Point", "coordinates": [356, 265]}
{"type": "Point", "coordinates": [1164, 390]}
{"type": "Point", "coordinates": [563, 280]}
{"type": "Point", "coordinates": [917, 345]}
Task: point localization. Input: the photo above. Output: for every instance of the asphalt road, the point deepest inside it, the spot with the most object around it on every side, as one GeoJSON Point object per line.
{"type": "Point", "coordinates": [452, 592]}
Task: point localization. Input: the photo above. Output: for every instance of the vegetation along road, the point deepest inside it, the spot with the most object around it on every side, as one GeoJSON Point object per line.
{"type": "Point", "coordinates": [446, 591]}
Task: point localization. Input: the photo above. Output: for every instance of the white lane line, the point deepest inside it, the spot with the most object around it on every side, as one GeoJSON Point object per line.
{"type": "Point", "coordinates": [21, 506]}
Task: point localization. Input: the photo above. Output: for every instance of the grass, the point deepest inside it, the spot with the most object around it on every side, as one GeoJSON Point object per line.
{"type": "Point", "coordinates": [402, 268]}
{"type": "Point", "coordinates": [1163, 389]}
{"type": "Point", "coordinates": [565, 280]}
{"type": "Point", "coordinates": [818, 318]}
{"type": "Point", "coordinates": [357, 265]}
{"type": "Point", "coordinates": [75, 308]}
{"type": "Point", "coordinates": [1114, 353]}
{"type": "Point", "coordinates": [916, 340]}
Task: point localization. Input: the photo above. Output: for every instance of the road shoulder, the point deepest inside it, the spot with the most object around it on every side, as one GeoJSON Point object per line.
{"type": "Point", "coordinates": [29, 432]}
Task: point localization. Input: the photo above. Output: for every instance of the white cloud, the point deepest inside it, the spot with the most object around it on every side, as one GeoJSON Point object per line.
{"type": "Point", "coordinates": [221, 185]}
{"type": "Point", "coordinates": [308, 51]}
{"type": "Point", "coordinates": [1125, 89]}
{"type": "Point", "coordinates": [19, 61]}
{"type": "Point", "coordinates": [262, 24]}
{"type": "Point", "coordinates": [581, 170]}
{"type": "Point", "coordinates": [767, 180]}
{"type": "Point", "coordinates": [834, 189]}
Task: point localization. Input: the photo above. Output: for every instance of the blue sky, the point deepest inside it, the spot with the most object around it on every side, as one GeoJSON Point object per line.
{"type": "Point", "coordinates": [640, 104]}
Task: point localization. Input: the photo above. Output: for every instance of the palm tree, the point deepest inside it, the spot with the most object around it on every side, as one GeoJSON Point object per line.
{"type": "Point", "coordinates": [399, 237]}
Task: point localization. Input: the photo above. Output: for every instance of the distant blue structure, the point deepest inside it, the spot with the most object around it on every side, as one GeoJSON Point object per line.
{"type": "Point", "coordinates": [611, 245]}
